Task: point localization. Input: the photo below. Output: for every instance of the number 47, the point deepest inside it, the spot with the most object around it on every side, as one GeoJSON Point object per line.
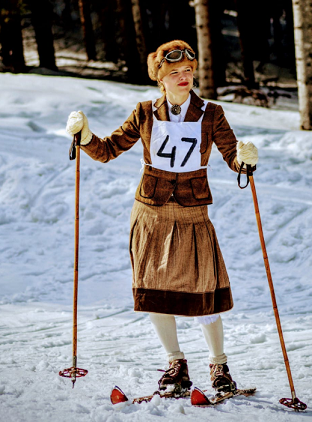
{"type": "Point", "coordinates": [172, 154]}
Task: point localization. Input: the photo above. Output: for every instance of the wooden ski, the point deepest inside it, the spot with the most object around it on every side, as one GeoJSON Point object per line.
{"type": "Point", "coordinates": [198, 397]}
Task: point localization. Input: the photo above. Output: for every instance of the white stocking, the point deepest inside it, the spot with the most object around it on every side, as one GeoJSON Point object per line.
{"type": "Point", "coordinates": [213, 333]}
{"type": "Point", "coordinates": [166, 329]}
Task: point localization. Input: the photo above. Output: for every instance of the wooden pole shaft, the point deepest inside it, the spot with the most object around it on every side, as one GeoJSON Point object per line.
{"type": "Point", "coordinates": [268, 271]}
{"type": "Point", "coordinates": [75, 299]}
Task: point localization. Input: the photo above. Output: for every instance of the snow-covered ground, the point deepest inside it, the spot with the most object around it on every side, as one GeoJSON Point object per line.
{"type": "Point", "coordinates": [115, 344]}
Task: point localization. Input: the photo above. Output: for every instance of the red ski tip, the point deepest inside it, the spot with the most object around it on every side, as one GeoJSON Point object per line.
{"type": "Point", "coordinates": [198, 398]}
{"type": "Point", "coordinates": [118, 396]}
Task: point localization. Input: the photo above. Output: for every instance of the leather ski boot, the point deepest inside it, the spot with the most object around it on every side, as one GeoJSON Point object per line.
{"type": "Point", "coordinates": [221, 378]}
{"type": "Point", "coordinates": [176, 378]}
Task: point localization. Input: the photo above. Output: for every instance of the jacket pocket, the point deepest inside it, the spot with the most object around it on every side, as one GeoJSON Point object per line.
{"type": "Point", "coordinates": [200, 188]}
{"type": "Point", "coordinates": [148, 186]}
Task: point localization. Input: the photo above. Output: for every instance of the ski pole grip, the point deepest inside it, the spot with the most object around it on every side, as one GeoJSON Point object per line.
{"type": "Point", "coordinates": [76, 142]}
{"type": "Point", "coordinates": [249, 173]}
{"type": "Point", "coordinates": [77, 138]}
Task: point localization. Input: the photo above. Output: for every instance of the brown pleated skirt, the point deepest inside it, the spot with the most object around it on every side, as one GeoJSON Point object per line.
{"type": "Point", "coordinates": [176, 260]}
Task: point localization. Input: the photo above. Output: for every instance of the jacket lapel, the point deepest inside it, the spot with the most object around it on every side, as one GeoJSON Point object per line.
{"type": "Point", "coordinates": [194, 112]}
{"type": "Point", "coordinates": [162, 112]}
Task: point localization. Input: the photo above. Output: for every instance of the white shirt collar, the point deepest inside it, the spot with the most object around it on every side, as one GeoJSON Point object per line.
{"type": "Point", "coordinates": [180, 117]}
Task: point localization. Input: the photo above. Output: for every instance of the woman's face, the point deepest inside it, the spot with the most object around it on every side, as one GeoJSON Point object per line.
{"type": "Point", "coordinates": [179, 81]}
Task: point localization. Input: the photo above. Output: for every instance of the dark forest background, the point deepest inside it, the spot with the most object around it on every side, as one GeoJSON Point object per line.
{"type": "Point", "coordinates": [252, 41]}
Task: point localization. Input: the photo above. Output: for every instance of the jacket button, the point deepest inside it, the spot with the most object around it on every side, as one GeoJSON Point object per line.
{"type": "Point", "coordinates": [172, 182]}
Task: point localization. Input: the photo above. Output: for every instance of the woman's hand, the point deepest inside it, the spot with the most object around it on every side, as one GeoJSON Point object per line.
{"type": "Point", "coordinates": [77, 122]}
{"type": "Point", "coordinates": [247, 153]}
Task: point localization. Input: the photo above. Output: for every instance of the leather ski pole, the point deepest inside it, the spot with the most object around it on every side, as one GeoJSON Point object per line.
{"type": "Point", "coordinates": [294, 402]}
{"type": "Point", "coordinates": [74, 372]}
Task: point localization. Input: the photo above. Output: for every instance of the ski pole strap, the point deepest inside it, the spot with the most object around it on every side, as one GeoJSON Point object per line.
{"type": "Point", "coordinates": [249, 172]}
{"type": "Point", "coordinates": [72, 149]}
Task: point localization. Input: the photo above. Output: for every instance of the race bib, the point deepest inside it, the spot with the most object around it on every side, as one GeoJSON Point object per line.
{"type": "Point", "coordinates": [175, 146]}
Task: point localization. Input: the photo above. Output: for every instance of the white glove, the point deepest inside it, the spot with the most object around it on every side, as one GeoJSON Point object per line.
{"type": "Point", "coordinates": [77, 122]}
{"type": "Point", "coordinates": [247, 153]}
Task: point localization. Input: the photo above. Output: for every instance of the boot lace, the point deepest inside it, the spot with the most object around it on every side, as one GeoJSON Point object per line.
{"type": "Point", "coordinates": [173, 371]}
{"type": "Point", "coordinates": [217, 371]}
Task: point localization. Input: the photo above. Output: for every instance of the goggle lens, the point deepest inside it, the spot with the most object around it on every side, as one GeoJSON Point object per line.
{"type": "Point", "coordinates": [189, 54]}
{"type": "Point", "coordinates": [174, 55]}
{"type": "Point", "coordinates": [177, 55]}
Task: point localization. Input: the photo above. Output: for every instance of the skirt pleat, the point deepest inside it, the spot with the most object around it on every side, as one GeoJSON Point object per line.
{"type": "Point", "coordinates": [175, 256]}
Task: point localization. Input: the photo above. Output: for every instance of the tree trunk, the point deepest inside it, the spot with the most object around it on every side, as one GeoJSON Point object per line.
{"type": "Point", "coordinates": [217, 44]}
{"type": "Point", "coordinates": [139, 35]}
{"type": "Point", "coordinates": [205, 66]}
{"type": "Point", "coordinates": [11, 36]}
{"type": "Point", "coordinates": [158, 13]}
{"type": "Point", "coordinates": [303, 47]}
{"type": "Point", "coordinates": [107, 16]}
{"type": "Point", "coordinates": [182, 21]}
{"type": "Point", "coordinates": [289, 37]}
{"type": "Point", "coordinates": [66, 16]}
{"type": "Point", "coordinates": [245, 36]}
{"type": "Point", "coordinates": [86, 23]}
{"type": "Point", "coordinates": [41, 17]}
{"type": "Point", "coordinates": [276, 12]}
{"type": "Point", "coordinates": [127, 45]}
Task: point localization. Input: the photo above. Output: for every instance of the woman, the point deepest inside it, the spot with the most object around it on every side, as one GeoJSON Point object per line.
{"type": "Point", "coordinates": [177, 264]}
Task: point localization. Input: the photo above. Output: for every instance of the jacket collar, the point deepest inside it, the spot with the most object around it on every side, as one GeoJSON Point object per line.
{"type": "Point", "coordinates": [193, 113]}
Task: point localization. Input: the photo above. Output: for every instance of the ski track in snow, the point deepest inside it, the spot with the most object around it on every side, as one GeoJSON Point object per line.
{"type": "Point", "coordinates": [115, 344]}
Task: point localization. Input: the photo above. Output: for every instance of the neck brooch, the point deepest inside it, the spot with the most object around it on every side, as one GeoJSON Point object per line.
{"type": "Point", "coordinates": [175, 109]}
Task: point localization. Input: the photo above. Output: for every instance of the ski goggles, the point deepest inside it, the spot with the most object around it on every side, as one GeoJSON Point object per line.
{"type": "Point", "coordinates": [177, 55]}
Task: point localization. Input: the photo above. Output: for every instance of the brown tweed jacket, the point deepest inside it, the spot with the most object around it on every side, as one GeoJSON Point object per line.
{"type": "Point", "coordinates": [157, 186]}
